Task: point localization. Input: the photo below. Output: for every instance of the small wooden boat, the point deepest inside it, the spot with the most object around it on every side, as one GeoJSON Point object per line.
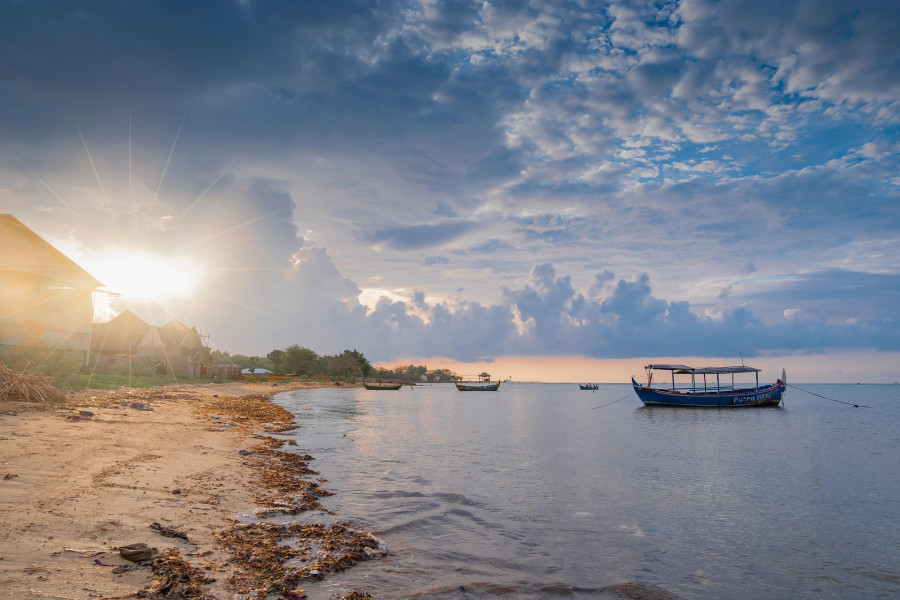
{"type": "Point", "coordinates": [383, 386]}
{"type": "Point", "coordinates": [708, 394]}
{"type": "Point", "coordinates": [589, 386]}
{"type": "Point", "coordinates": [478, 386]}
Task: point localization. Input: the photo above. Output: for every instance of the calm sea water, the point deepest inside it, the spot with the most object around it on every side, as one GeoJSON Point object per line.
{"type": "Point", "coordinates": [533, 492]}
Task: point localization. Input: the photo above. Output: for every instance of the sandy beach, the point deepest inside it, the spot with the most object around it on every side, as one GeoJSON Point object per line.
{"type": "Point", "coordinates": [178, 468]}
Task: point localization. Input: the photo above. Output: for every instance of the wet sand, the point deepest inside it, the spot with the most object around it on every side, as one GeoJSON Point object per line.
{"type": "Point", "coordinates": [179, 468]}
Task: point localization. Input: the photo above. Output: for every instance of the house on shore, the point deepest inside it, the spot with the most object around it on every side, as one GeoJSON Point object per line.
{"type": "Point", "coordinates": [46, 300]}
{"type": "Point", "coordinates": [127, 341]}
{"type": "Point", "coordinates": [47, 316]}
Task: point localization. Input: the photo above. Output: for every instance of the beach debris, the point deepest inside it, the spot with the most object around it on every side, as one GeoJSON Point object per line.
{"type": "Point", "coordinates": [278, 557]}
{"type": "Point", "coordinates": [280, 477]}
{"type": "Point", "coordinates": [169, 532]}
{"type": "Point", "coordinates": [357, 595]}
{"type": "Point", "coordinates": [175, 579]}
{"type": "Point", "coordinates": [119, 569]}
{"type": "Point", "coordinates": [272, 560]}
{"type": "Point", "coordinates": [31, 570]}
{"type": "Point", "coordinates": [139, 406]}
{"type": "Point", "coordinates": [85, 413]}
{"type": "Point", "coordinates": [254, 411]}
{"type": "Point", "coordinates": [9, 476]}
{"type": "Point", "coordinates": [138, 552]}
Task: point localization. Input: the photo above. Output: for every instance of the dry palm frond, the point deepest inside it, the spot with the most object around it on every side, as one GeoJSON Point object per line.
{"type": "Point", "coordinates": [30, 387]}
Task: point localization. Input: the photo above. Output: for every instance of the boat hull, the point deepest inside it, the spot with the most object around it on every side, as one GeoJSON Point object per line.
{"type": "Point", "coordinates": [589, 386]}
{"type": "Point", "coordinates": [768, 395]}
{"type": "Point", "coordinates": [383, 387]}
{"type": "Point", "coordinates": [476, 387]}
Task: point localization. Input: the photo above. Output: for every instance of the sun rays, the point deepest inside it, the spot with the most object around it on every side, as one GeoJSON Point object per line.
{"type": "Point", "coordinates": [169, 253]}
{"type": "Point", "coordinates": [143, 276]}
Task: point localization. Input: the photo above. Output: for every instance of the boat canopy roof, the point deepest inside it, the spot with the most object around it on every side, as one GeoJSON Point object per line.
{"type": "Point", "coordinates": [683, 369]}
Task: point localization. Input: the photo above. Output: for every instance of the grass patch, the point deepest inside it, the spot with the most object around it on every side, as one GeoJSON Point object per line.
{"type": "Point", "coordinates": [108, 381]}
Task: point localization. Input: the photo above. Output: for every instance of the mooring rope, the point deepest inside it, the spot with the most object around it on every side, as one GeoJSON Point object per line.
{"type": "Point", "coordinates": [628, 395]}
{"type": "Point", "coordinates": [827, 398]}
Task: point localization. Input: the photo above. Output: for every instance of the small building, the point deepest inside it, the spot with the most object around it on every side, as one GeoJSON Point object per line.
{"type": "Point", "coordinates": [46, 299]}
{"type": "Point", "coordinates": [127, 340]}
{"type": "Point", "coordinates": [230, 371]}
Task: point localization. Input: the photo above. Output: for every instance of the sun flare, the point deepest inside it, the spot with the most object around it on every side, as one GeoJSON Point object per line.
{"type": "Point", "coordinates": [140, 276]}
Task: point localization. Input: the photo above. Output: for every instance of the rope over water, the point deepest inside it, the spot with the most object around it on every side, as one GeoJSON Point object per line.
{"type": "Point", "coordinates": [628, 395]}
{"type": "Point", "coordinates": [827, 398]}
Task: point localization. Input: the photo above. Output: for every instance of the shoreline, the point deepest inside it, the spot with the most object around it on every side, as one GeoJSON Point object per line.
{"type": "Point", "coordinates": [186, 469]}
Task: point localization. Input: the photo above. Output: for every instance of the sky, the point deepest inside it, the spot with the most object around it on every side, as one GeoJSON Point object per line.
{"type": "Point", "coordinates": [563, 190]}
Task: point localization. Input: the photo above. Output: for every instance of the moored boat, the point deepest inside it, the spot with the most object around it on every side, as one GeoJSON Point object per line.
{"type": "Point", "coordinates": [589, 386]}
{"type": "Point", "coordinates": [383, 386]}
{"type": "Point", "coordinates": [708, 394]}
{"type": "Point", "coordinates": [479, 386]}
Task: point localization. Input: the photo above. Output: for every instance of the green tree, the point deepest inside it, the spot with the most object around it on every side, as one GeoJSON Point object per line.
{"type": "Point", "coordinates": [300, 361]}
{"type": "Point", "coordinates": [443, 375]}
{"type": "Point", "coordinates": [220, 357]}
{"type": "Point", "coordinates": [342, 365]}
{"type": "Point", "coordinates": [277, 358]}
{"type": "Point", "coordinates": [240, 359]}
{"type": "Point", "coordinates": [414, 372]}
{"type": "Point", "coordinates": [362, 364]}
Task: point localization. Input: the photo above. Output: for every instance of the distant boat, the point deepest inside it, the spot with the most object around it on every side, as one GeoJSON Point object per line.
{"type": "Point", "coordinates": [707, 393]}
{"type": "Point", "coordinates": [479, 386]}
{"type": "Point", "coordinates": [589, 386]}
{"type": "Point", "coordinates": [383, 386]}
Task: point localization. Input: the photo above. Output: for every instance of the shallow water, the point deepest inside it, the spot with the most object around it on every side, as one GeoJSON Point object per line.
{"type": "Point", "coordinates": [534, 492]}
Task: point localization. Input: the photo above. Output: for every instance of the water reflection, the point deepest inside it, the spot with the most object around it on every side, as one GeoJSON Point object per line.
{"type": "Point", "coordinates": [530, 489]}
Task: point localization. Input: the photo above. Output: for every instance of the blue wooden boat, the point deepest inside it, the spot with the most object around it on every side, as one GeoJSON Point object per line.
{"type": "Point", "coordinates": [477, 386]}
{"type": "Point", "coordinates": [722, 392]}
{"type": "Point", "coordinates": [589, 386]}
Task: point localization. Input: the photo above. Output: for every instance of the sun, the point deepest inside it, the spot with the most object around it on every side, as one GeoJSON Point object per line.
{"type": "Point", "coordinates": [137, 275]}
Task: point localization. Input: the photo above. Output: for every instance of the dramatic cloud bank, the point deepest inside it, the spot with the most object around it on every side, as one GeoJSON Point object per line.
{"type": "Point", "coordinates": [607, 179]}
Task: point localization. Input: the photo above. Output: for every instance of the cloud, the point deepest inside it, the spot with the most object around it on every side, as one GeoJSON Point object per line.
{"type": "Point", "coordinates": [545, 314]}
{"type": "Point", "coordinates": [741, 158]}
{"type": "Point", "coordinates": [832, 295]}
{"type": "Point", "coordinates": [491, 246]}
{"type": "Point", "coordinates": [414, 237]}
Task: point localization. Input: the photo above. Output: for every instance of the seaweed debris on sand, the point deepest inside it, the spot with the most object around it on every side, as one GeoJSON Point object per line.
{"type": "Point", "coordinates": [174, 578]}
{"type": "Point", "coordinates": [271, 565]}
{"type": "Point", "coordinates": [174, 474]}
{"type": "Point", "coordinates": [273, 558]}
